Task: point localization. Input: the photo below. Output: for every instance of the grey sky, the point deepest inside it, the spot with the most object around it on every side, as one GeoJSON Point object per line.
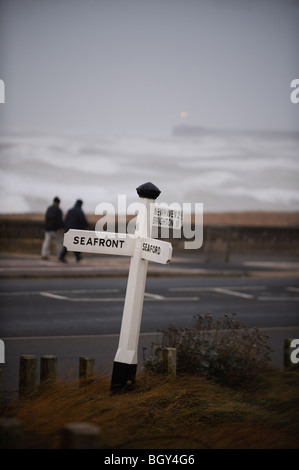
{"type": "Point", "coordinates": [133, 65]}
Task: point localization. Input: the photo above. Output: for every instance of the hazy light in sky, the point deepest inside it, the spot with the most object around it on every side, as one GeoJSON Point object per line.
{"type": "Point", "coordinates": [184, 114]}
{"type": "Point", "coordinates": [132, 66]}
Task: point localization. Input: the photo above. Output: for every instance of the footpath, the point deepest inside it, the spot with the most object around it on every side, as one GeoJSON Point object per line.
{"type": "Point", "coordinates": [183, 264]}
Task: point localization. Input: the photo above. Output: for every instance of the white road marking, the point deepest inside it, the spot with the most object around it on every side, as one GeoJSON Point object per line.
{"type": "Point", "coordinates": [53, 296]}
{"type": "Point", "coordinates": [213, 289]}
{"type": "Point", "coordinates": [82, 299]}
{"type": "Point", "coordinates": [58, 292]}
{"type": "Point", "coordinates": [221, 290]}
{"type": "Point", "coordinates": [148, 297]}
{"type": "Point", "coordinates": [197, 289]}
{"type": "Point", "coordinates": [87, 291]}
{"type": "Point", "coordinates": [236, 291]}
{"type": "Point", "coordinates": [180, 299]}
{"type": "Point", "coordinates": [153, 296]}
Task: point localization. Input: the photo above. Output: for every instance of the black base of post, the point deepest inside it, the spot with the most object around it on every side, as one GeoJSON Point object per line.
{"type": "Point", "coordinates": [122, 375]}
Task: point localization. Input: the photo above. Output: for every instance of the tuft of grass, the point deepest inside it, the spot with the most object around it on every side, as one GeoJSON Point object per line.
{"type": "Point", "coordinates": [187, 412]}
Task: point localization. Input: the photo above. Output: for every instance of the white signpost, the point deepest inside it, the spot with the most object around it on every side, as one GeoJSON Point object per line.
{"type": "Point", "coordinates": [142, 248]}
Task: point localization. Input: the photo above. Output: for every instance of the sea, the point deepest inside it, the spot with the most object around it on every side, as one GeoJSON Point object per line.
{"type": "Point", "coordinates": [223, 170]}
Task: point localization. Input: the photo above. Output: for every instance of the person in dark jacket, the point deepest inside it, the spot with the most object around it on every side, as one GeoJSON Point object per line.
{"type": "Point", "coordinates": [75, 218]}
{"type": "Point", "coordinates": [53, 229]}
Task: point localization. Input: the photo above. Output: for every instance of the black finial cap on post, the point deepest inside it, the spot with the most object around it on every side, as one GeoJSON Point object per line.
{"type": "Point", "coordinates": [148, 190]}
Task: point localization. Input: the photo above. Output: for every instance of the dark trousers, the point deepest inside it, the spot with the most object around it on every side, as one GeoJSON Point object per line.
{"type": "Point", "coordinates": [64, 253]}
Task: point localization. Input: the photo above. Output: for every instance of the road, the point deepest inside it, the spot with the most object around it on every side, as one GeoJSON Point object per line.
{"type": "Point", "coordinates": [73, 317]}
{"type": "Point", "coordinates": [94, 306]}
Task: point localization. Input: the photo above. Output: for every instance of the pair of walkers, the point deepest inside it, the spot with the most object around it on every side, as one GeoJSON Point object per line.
{"type": "Point", "coordinates": [55, 228]}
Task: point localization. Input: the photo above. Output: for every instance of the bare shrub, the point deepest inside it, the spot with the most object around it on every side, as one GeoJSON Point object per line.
{"type": "Point", "coordinates": [226, 350]}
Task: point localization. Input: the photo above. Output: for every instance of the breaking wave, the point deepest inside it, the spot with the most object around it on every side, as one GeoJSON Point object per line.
{"type": "Point", "coordinates": [224, 171]}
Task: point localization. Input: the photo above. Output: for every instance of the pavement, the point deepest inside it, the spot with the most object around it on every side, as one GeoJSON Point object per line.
{"type": "Point", "coordinates": [184, 264]}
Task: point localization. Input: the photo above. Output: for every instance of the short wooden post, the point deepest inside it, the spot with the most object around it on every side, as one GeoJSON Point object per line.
{"type": "Point", "coordinates": [86, 369]}
{"type": "Point", "coordinates": [48, 369]}
{"type": "Point", "coordinates": [169, 361]}
{"type": "Point", "coordinates": [80, 436]}
{"type": "Point", "coordinates": [288, 349]}
{"type": "Point", "coordinates": [11, 434]}
{"type": "Point", "coordinates": [27, 375]}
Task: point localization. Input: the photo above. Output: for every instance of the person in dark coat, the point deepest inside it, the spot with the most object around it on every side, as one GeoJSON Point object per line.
{"type": "Point", "coordinates": [75, 218]}
{"type": "Point", "coordinates": [53, 229]}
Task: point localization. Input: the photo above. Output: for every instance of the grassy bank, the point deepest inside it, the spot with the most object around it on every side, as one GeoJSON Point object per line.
{"type": "Point", "coordinates": [187, 412]}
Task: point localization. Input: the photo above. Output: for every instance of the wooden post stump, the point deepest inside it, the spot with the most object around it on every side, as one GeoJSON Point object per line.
{"type": "Point", "coordinates": [11, 434]}
{"type": "Point", "coordinates": [169, 361]}
{"type": "Point", "coordinates": [48, 369]}
{"type": "Point", "coordinates": [86, 369]}
{"type": "Point", "coordinates": [27, 375]}
{"type": "Point", "coordinates": [80, 436]}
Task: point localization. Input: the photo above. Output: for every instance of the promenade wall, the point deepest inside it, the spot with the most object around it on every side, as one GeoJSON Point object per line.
{"type": "Point", "coordinates": [24, 233]}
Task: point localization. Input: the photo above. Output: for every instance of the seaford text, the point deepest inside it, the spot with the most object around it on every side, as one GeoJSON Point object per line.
{"type": "Point", "coordinates": [189, 217]}
{"type": "Point", "coordinates": [151, 248]}
{"type": "Point", "coordinates": [159, 459]}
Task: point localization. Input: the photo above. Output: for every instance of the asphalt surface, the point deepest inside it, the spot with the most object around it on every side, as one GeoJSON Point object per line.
{"type": "Point", "coordinates": [56, 307]}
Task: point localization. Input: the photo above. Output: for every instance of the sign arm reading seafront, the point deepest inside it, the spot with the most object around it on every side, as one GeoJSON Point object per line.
{"type": "Point", "coordinates": [142, 249]}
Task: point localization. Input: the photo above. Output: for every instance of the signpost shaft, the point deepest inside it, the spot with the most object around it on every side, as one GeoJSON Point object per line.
{"type": "Point", "coordinates": [125, 362]}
